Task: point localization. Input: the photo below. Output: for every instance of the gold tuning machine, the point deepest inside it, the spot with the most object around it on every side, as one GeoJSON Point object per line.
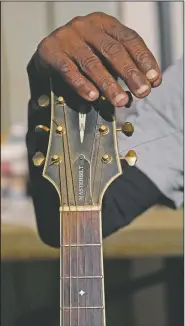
{"type": "Point", "coordinates": [60, 100]}
{"type": "Point", "coordinates": [131, 157]}
{"type": "Point", "coordinates": [43, 101]}
{"type": "Point", "coordinates": [127, 129]}
{"type": "Point", "coordinates": [104, 129]}
{"type": "Point", "coordinates": [56, 159]}
{"type": "Point", "coordinates": [41, 128]}
{"type": "Point", "coordinates": [106, 158]}
{"type": "Point", "coordinates": [60, 130]}
{"type": "Point", "coordinates": [38, 159]}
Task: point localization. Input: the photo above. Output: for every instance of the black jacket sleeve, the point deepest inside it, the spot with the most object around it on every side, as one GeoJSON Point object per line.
{"type": "Point", "coordinates": [126, 198]}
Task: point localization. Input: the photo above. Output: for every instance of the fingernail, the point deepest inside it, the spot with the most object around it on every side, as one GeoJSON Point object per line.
{"type": "Point", "coordinates": [151, 74]}
{"type": "Point", "coordinates": [92, 95]}
{"type": "Point", "coordinates": [120, 100]}
{"type": "Point", "coordinates": [142, 89]}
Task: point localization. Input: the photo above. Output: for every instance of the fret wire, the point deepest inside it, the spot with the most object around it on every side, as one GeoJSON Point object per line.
{"type": "Point", "coordinates": [82, 245]}
{"type": "Point", "coordinates": [81, 277]}
{"type": "Point", "coordinates": [63, 308]}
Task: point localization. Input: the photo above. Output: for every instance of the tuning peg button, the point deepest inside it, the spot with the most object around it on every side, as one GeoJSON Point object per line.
{"type": "Point", "coordinates": [127, 129]}
{"type": "Point", "coordinates": [60, 130]}
{"type": "Point", "coordinates": [103, 129]}
{"type": "Point", "coordinates": [131, 157]}
{"type": "Point", "coordinates": [56, 159]}
{"type": "Point", "coordinates": [40, 128]}
{"type": "Point", "coordinates": [60, 100]}
{"type": "Point", "coordinates": [106, 158]}
{"type": "Point", "coordinates": [38, 159]}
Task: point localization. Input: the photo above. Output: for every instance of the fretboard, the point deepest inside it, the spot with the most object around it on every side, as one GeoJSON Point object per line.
{"type": "Point", "coordinates": [82, 282]}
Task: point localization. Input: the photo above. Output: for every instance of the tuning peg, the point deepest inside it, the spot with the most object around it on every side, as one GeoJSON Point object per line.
{"type": "Point", "coordinates": [38, 159]}
{"type": "Point", "coordinates": [56, 159]}
{"type": "Point", "coordinates": [127, 129]}
{"type": "Point", "coordinates": [106, 158]}
{"type": "Point", "coordinates": [43, 100]}
{"type": "Point", "coordinates": [40, 128]}
{"type": "Point", "coordinates": [60, 100]}
{"type": "Point", "coordinates": [103, 129]}
{"type": "Point", "coordinates": [131, 157]}
{"type": "Point", "coordinates": [60, 130]}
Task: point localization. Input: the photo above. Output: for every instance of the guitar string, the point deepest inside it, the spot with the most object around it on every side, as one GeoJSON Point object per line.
{"type": "Point", "coordinates": [61, 240]}
{"type": "Point", "coordinates": [93, 249]}
{"type": "Point", "coordinates": [101, 248]}
{"type": "Point", "coordinates": [62, 310]}
{"type": "Point", "coordinates": [83, 248]}
{"type": "Point", "coordinates": [87, 249]}
{"type": "Point", "coordinates": [61, 252]}
{"type": "Point", "coordinates": [63, 216]}
{"type": "Point", "coordinates": [84, 221]}
{"type": "Point", "coordinates": [72, 179]}
{"type": "Point", "coordinates": [99, 262]}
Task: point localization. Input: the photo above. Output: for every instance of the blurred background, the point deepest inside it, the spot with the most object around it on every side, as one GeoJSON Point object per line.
{"type": "Point", "coordinates": [143, 287]}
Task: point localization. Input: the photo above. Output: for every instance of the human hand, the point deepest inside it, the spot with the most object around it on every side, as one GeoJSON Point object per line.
{"type": "Point", "coordinates": [76, 50]}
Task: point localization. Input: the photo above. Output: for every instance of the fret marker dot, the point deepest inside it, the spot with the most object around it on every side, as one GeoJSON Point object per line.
{"type": "Point", "coordinates": [81, 292]}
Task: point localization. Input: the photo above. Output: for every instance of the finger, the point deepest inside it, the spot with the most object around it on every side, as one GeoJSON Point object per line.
{"type": "Point", "coordinates": [54, 58]}
{"type": "Point", "coordinates": [120, 60]}
{"type": "Point", "coordinates": [94, 69]}
{"type": "Point", "coordinates": [137, 48]}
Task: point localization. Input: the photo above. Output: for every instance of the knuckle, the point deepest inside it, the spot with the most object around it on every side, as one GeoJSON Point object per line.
{"type": "Point", "coordinates": [110, 47]}
{"type": "Point", "coordinates": [96, 15]}
{"type": "Point", "coordinates": [77, 22]}
{"type": "Point", "coordinates": [143, 58]}
{"type": "Point", "coordinates": [77, 80]}
{"type": "Point", "coordinates": [127, 70]}
{"type": "Point", "coordinates": [60, 32]}
{"type": "Point", "coordinates": [62, 65]}
{"type": "Point", "coordinates": [88, 63]}
{"type": "Point", "coordinates": [105, 83]}
{"type": "Point", "coordinates": [127, 34]}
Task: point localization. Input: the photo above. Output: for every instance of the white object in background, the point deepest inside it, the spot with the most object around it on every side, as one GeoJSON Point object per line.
{"type": "Point", "coordinates": [13, 151]}
{"type": "Point", "coordinates": [143, 18]}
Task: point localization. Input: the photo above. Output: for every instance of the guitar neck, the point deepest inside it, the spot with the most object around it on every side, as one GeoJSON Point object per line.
{"type": "Point", "coordinates": [82, 280]}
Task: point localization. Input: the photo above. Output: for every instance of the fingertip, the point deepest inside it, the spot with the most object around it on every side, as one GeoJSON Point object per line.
{"type": "Point", "coordinates": [93, 95]}
{"type": "Point", "coordinates": [120, 100]}
{"type": "Point", "coordinates": [143, 91]}
{"type": "Point", "coordinates": [157, 82]}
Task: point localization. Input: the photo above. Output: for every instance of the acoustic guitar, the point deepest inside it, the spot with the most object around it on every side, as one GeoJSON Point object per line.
{"type": "Point", "coordinates": [82, 160]}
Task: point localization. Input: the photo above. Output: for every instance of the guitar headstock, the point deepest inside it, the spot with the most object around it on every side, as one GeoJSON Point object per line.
{"type": "Point", "coordinates": [82, 157]}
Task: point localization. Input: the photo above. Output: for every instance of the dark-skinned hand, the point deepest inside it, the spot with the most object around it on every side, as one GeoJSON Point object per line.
{"type": "Point", "coordinates": [76, 50]}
